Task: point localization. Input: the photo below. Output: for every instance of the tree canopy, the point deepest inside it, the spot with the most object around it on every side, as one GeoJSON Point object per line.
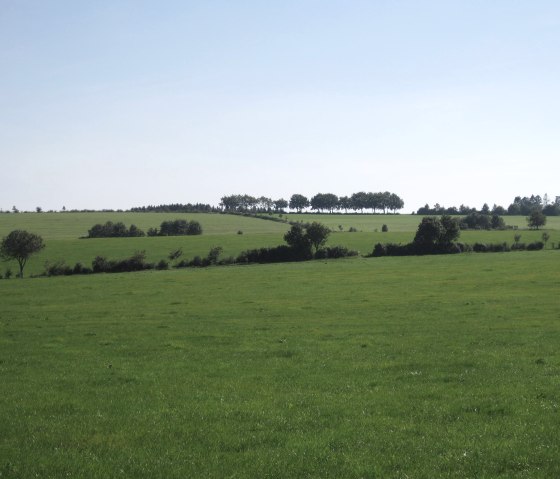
{"type": "Point", "coordinates": [20, 245]}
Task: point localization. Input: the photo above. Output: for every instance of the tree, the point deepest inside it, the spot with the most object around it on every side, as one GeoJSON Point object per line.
{"type": "Point", "coordinates": [436, 235]}
{"type": "Point", "coordinates": [536, 219]}
{"type": "Point", "coordinates": [280, 205]}
{"type": "Point", "coordinates": [298, 202]}
{"type": "Point", "coordinates": [317, 234]}
{"type": "Point", "coordinates": [296, 238]}
{"type": "Point", "coordinates": [20, 245]}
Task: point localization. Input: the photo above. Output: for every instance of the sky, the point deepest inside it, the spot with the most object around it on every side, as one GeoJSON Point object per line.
{"type": "Point", "coordinates": [116, 104]}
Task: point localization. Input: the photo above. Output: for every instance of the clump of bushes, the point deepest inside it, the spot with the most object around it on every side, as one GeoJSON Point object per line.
{"type": "Point", "coordinates": [176, 228]}
{"type": "Point", "coordinates": [60, 268]}
{"type": "Point", "coordinates": [114, 230]}
{"type": "Point", "coordinates": [136, 262]}
{"type": "Point", "coordinates": [480, 221]}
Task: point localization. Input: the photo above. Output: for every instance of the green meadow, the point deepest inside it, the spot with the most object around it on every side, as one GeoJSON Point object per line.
{"type": "Point", "coordinates": [62, 232]}
{"type": "Point", "coordinates": [415, 367]}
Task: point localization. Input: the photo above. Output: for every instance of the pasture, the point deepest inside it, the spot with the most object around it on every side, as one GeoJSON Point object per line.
{"type": "Point", "coordinates": [416, 367]}
{"type": "Point", "coordinates": [419, 367]}
{"type": "Point", "coordinates": [61, 232]}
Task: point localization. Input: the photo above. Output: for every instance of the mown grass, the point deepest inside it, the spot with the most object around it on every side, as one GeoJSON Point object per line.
{"type": "Point", "coordinates": [418, 367]}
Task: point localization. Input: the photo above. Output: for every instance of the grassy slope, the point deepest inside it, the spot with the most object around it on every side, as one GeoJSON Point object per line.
{"type": "Point", "coordinates": [419, 367]}
{"type": "Point", "coordinates": [62, 230]}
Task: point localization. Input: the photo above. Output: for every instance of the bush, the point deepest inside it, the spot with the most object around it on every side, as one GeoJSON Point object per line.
{"type": "Point", "coordinates": [196, 262]}
{"type": "Point", "coordinates": [384, 229]}
{"type": "Point", "coordinates": [162, 265]}
{"type": "Point", "coordinates": [535, 246]}
{"type": "Point", "coordinates": [214, 254]}
{"type": "Point", "coordinates": [379, 250]}
{"type": "Point", "coordinates": [334, 252]}
{"type": "Point", "coordinates": [114, 230]}
{"type": "Point", "coordinates": [137, 262]}
{"type": "Point", "coordinates": [59, 268]}
{"type": "Point", "coordinates": [277, 254]}
{"type": "Point", "coordinates": [8, 273]}
{"type": "Point", "coordinates": [352, 230]}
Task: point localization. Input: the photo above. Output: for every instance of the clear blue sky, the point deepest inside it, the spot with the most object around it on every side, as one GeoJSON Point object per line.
{"type": "Point", "coordinates": [113, 104]}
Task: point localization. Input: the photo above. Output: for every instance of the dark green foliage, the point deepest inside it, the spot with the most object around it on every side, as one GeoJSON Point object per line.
{"type": "Point", "coordinates": [297, 239]}
{"type": "Point", "coordinates": [179, 228]}
{"type": "Point", "coordinates": [536, 219]}
{"type": "Point", "coordinates": [324, 201]}
{"type": "Point", "coordinates": [137, 262]}
{"type": "Point", "coordinates": [20, 245]}
{"type": "Point", "coordinates": [214, 254]}
{"type": "Point", "coordinates": [435, 235]}
{"type": "Point", "coordinates": [535, 246]}
{"type": "Point", "coordinates": [384, 228]}
{"type": "Point", "coordinates": [317, 234]}
{"type": "Point", "coordinates": [298, 202]}
{"type": "Point", "coordinates": [194, 228]}
{"type": "Point", "coordinates": [114, 230]}
{"type": "Point", "coordinates": [175, 208]}
{"type": "Point", "coordinates": [480, 221]}
{"type": "Point", "coordinates": [334, 252]}
{"type": "Point", "coordinates": [162, 265]}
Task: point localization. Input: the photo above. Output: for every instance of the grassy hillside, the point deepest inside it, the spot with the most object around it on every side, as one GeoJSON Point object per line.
{"type": "Point", "coordinates": [426, 367]}
{"type": "Point", "coordinates": [62, 230]}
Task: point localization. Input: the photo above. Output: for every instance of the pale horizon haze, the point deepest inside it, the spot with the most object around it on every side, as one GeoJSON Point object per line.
{"type": "Point", "coordinates": [110, 104]}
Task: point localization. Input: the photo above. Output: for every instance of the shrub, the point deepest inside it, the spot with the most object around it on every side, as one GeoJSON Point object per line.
{"type": "Point", "coordinates": [8, 273]}
{"type": "Point", "coordinates": [384, 229]}
{"type": "Point", "coordinates": [352, 230]}
{"type": "Point", "coordinates": [239, 232]}
{"type": "Point", "coordinates": [194, 228]}
{"type": "Point", "coordinates": [114, 230]}
{"type": "Point", "coordinates": [196, 262]}
{"type": "Point", "coordinates": [58, 268]}
{"type": "Point", "coordinates": [162, 264]}
{"type": "Point", "coordinates": [535, 245]}
{"type": "Point", "coordinates": [379, 250]}
{"type": "Point", "coordinates": [214, 254]}
{"type": "Point", "coordinates": [334, 252]}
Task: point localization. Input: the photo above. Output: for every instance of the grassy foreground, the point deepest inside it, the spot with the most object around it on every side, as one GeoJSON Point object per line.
{"type": "Point", "coordinates": [419, 367]}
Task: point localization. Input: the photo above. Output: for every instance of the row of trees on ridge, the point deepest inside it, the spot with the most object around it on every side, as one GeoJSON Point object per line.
{"type": "Point", "coordinates": [322, 202]}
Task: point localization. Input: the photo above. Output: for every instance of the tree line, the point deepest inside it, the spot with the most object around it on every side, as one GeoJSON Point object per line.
{"type": "Point", "coordinates": [521, 206]}
{"type": "Point", "coordinates": [322, 202]}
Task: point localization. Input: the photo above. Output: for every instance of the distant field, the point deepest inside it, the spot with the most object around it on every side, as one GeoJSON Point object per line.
{"type": "Point", "coordinates": [419, 367]}
{"type": "Point", "coordinates": [62, 230]}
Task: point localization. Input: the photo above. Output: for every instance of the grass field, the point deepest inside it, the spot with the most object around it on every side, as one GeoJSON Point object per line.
{"type": "Point", "coordinates": [62, 230]}
{"type": "Point", "coordinates": [419, 367]}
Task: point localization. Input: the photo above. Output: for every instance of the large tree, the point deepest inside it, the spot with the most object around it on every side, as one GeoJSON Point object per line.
{"type": "Point", "coordinates": [298, 202]}
{"type": "Point", "coordinates": [20, 245]}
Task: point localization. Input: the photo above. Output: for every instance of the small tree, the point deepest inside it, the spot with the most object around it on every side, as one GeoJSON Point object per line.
{"type": "Point", "coordinates": [317, 234]}
{"type": "Point", "coordinates": [20, 245]}
{"type": "Point", "coordinates": [545, 238]}
{"type": "Point", "coordinates": [536, 219]}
